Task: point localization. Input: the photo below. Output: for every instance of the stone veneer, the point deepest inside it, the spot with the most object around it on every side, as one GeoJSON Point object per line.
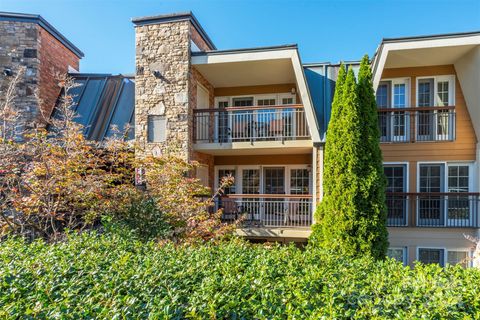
{"type": "Point", "coordinates": [26, 44]}
{"type": "Point", "coordinates": [165, 47]}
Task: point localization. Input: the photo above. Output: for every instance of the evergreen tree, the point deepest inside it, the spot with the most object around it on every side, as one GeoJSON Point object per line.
{"type": "Point", "coordinates": [372, 197]}
{"type": "Point", "coordinates": [351, 217]}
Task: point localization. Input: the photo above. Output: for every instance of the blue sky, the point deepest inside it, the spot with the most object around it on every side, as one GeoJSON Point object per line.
{"type": "Point", "coordinates": [324, 30]}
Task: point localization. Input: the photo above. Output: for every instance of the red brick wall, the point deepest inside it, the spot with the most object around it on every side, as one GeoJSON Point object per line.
{"type": "Point", "coordinates": [54, 59]}
{"type": "Point", "coordinates": [198, 40]}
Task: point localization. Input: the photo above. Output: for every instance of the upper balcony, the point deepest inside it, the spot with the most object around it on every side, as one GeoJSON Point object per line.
{"type": "Point", "coordinates": [252, 101]}
{"type": "Point", "coordinates": [417, 124]}
{"type": "Point", "coordinates": [247, 127]}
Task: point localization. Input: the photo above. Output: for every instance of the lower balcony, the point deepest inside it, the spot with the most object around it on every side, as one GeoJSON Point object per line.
{"type": "Point", "coordinates": [267, 210]}
{"type": "Point", "coordinates": [443, 210]}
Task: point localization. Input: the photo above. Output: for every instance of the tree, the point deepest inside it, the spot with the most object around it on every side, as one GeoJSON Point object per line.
{"type": "Point", "coordinates": [373, 183]}
{"type": "Point", "coordinates": [351, 216]}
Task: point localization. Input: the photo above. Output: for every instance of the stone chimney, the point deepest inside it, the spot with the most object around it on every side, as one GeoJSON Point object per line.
{"type": "Point", "coordinates": [30, 41]}
{"type": "Point", "coordinates": [163, 108]}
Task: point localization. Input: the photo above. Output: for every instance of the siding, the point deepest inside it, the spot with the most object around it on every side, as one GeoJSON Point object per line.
{"type": "Point", "coordinates": [462, 149]}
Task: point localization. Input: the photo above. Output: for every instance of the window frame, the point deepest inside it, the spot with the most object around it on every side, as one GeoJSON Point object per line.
{"type": "Point", "coordinates": [472, 172]}
{"type": "Point", "coordinates": [406, 166]}
{"type": "Point", "coordinates": [446, 250]}
{"type": "Point", "coordinates": [404, 254]}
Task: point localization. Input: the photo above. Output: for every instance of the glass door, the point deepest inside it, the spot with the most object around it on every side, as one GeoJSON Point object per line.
{"type": "Point", "coordinates": [430, 206]}
{"type": "Point", "coordinates": [251, 185]}
{"type": "Point", "coordinates": [274, 183]}
{"type": "Point", "coordinates": [396, 202]}
{"type": "Point", "coordinates": [459, 209]}
{"type": "Point", "coordinates": [399, 123]}
{"type": "Point", "coordinates": [242, 122]}
{"type": "Point", "coordinates": [425, 118]}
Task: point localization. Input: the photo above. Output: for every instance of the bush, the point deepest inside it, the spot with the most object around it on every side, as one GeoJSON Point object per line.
{"type": "Point", "coordinates": [115, 275]}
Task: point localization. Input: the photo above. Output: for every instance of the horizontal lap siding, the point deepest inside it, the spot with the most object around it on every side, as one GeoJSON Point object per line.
{"type": "Point", "coordinates": [464, 146]}
{"type": "Point", "coordinates": [264, 159]}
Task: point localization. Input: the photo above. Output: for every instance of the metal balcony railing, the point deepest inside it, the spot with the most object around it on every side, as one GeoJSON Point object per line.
{"type": "Point", "coordinates": [417, 124]}
{"type": "Point", "coordinates": [240, 124]}
{"type": "Point", "coordinates": [447, 209]}
{"type": "Point", "coordinates": [267, 210]}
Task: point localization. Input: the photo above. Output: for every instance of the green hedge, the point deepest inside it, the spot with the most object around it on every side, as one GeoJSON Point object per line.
{"type": "Point", "coordinates": [117, 276]}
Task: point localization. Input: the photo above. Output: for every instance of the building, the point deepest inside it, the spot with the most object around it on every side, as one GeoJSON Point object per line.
{"type": "Point", "coordinates": [261, 115]}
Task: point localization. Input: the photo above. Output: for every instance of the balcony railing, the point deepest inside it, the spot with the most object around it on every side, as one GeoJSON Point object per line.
{"type": "Point", "coordinates": [417, 124]}
{"type": "Point", "coordinates": [448, 209]}
{"type": "Point", "coordinates": [267, 210]}
{"type": "Point", "coordinates": [240, 124]}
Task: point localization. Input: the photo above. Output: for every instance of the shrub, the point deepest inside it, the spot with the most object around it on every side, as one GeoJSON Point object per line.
{"type": "Point", "coordinates": [115, 275]}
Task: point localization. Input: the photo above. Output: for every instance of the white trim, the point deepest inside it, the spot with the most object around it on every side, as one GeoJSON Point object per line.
{"type": "Point", "coordinates": [407, 165]}
{"type": "Point", "coordinates": [445, 253]}
{"type": "Point", "coordinates": [239, 176]}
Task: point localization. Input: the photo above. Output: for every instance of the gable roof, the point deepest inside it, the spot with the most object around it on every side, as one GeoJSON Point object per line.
{"type": "Point", "coordinates": [38, 19]}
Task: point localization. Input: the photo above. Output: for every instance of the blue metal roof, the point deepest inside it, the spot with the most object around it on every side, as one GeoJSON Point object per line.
{"type": "Point", "coordinates": [103, 101]}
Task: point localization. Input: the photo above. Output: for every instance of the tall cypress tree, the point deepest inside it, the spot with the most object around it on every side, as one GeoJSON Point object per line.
{"type": "Point", "coordinates": [338, 210]}
{"type": "Point", "coordinates": [372, 196]}
{"type": "Point", "coordinates": [351, 216]}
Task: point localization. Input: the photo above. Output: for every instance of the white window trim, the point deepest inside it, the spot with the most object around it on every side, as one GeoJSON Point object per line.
{"type": "Point", "coordinates": [238, 171]}
{"type": "Point", "coordinates": [405, 253]}
{"type": "Point", "coordinates": [445, 253]}
{"type": "Point", "coordinates": [471, 184]}
{"type": "Point", "coordinates": [451, 88]}
{"type": "Point", "coordinates": [407, 183]}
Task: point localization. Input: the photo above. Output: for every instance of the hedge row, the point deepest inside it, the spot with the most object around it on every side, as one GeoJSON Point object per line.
{"type": "Point", "coordinates": [114, 275]}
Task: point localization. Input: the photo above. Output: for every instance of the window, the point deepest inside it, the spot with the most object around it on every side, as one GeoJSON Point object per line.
{"type": "Point", "coordinates": [383, 95]}
{"type": "Point", "coordinates": [458, 205]}
{"type": "Point", "coordinates": [287, 101]}
{"type": "Point", "coordinates": [442, 256]}
{"type": "Point", "coordinates": [425, 92]}
{"type": "Point", "coordinates": [458, 257]}
{"type": "Point", "coordinates": [396, 203]}
{"type": "Point", "coordinates": [243, 102]}
{"type": "Point", "coordinates": [274, 180]}
{"type": "Point", "coordinates": [443, 93]}
{"type": "Point", "coordinates": [399, 254]}
{"type": "Point", "coordinates": [431, 207]}
{"type": "Point", "coordinates": [226, 172]}
{"type": "Point", "coordinates": [251, 181]}
{"type": "Point", "coordinates": [429, 256]}
{"type": "Point", "coordinates": [399, 95]}
{"type": "Point", "coordinates": [299, 181]}
{"type": "Point", "coordinates": [266, 102]}
{"type": "Point", "coordinates": [157, 128]}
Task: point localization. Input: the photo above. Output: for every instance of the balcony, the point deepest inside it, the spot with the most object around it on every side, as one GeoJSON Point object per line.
{"type": "Point", "coordinates": [250, 124]}
{"type": "Point", "coordinates": [417, 124]}
{"type": "Point", "coordinates": [267, 210]}
{"type": "Point", "coordinates": [445, 210]}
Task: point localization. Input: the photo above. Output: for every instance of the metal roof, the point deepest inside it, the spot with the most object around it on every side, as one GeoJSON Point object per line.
{"type": "Point", "coordinates": [102, 101]}
{"type": "Point", "coordinates": [38, 19]}
{"type": "Point", "coordinates": [181, 16]}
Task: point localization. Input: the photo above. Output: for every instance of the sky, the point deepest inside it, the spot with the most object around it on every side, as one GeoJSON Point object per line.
{"type": "Point", "coordinates": [324, 30]}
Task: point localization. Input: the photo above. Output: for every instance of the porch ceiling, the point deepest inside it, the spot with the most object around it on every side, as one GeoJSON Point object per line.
{"type": "Point", "coordinates": [426, 56]}
{"type": "Point", "coordinates": [248, 73]}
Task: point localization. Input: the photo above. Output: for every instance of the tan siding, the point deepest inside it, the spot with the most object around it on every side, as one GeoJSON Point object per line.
{"type": "Point", "coordinates": [463, 148]}
{"type": "Point", "coordinates": [239, 91]}
{"type": "Point", "coordinates": [264, 159]}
